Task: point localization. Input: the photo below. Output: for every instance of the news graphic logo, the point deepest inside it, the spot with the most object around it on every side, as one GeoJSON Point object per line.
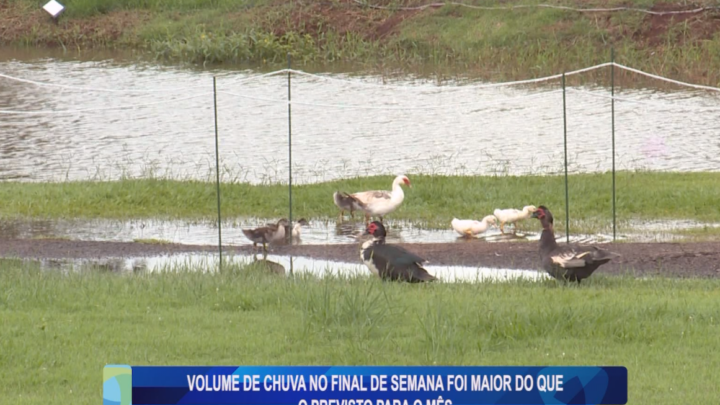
{"type": "Point", "coordinates": [117, 385]}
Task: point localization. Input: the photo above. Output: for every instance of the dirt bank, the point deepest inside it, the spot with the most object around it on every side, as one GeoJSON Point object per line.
{"type": "Point", "coordinates": [701, 259]}
{"type": "Point", "coordinates": [380, 21]}
{"type": "Point", "coordinates": [677, 38]}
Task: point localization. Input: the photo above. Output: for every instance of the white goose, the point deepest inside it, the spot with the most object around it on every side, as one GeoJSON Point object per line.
{"type": "Point", "coordinates": [379, 203]}
{"type": "Point", "coordinates": [471, 227]}
{"type": "Point", "coordinates": [512, 215]}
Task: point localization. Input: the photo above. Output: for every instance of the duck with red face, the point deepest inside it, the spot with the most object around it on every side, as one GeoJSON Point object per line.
{"type": "Point", "coordinates": [567, 262]}
{"type": "Point", "coordinates": [391, 262]}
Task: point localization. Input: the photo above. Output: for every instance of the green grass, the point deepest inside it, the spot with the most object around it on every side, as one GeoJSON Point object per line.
{"type": "Point", "coordinates": [58, 331]}
{"type": "Point", "coordinates": [498, 45]}
{"type": "Point", "coordinates": [432, 201]}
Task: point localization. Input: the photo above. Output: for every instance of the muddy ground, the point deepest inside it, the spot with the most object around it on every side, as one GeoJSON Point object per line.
{"type": "Point", "coordinates": [690, 259]}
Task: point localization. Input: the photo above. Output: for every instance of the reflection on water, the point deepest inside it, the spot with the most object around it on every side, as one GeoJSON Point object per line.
{"type": "Point", "coordinates": [317, 232]}
{"type": "Point", "coordinates": [280, 265]}
{"type": "Point", "coordinates": [206, 233]}
{"type": "Point", "coordinates": [155, 120]}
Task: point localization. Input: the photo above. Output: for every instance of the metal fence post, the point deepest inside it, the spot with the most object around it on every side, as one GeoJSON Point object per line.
{"type": "Point", "coordinates": [217, 172]}
{"type": "Point", "coordinates": [290, 239]}
{"type": "Point", "coordinates": [289, 145]}
{"type": "Point", "coordinates": [612, 112]}
{"type": "Point", "coordinates": [567, 196]}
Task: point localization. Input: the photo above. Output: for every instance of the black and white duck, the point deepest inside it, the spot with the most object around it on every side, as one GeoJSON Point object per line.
{"type": "Point", "coordinates": [391, 262]}
{"type": "Point", "coordinates": [270, 233]}
{"type": "Point", "coordinates": [567, 262]}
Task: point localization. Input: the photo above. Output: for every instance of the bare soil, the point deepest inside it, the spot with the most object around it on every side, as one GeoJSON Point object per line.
{"type": "Point", "coordinates": [34, 26]}
{"type": "Point", "coordinates": [691, 259]}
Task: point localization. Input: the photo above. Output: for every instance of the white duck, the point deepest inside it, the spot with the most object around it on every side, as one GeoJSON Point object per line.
{"type": "Point", "coordinates": [471, 227]}
{"type": "Point", "coordinates": [379, 203]}
{"type": "Point", "coordinates": [512, 215]}
{"type": "Point", "coordinates": [296, 229]}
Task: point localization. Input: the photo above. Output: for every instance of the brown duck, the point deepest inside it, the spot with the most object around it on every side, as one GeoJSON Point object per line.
{"type": "Point", "coordinates": [567, 262]}
{"type": "Point", "coordinates": [347, 202]}
{"type": "Point", "coordinates": [267, 234]}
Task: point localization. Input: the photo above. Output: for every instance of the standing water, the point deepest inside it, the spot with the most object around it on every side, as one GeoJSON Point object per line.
{"type": "Point", "coordinates": [72, 120]}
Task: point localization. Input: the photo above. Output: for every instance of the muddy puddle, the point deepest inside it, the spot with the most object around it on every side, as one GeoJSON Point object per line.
{"type": "Point", "coordinates": [281, 265]}
{"type": "Point", "coordinates": [317, 232]}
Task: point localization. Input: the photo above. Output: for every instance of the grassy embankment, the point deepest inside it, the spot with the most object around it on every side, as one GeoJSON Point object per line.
{"type": "Point", "coordinates": [432, 201]}
{"type": "Point", "coordinates": [498, 44]}
{"type": "Point", "coordinates": [60, 330]}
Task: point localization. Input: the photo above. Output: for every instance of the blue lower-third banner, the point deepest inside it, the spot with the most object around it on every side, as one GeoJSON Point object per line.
{"type": "Point", "coordinates": [362, 385]}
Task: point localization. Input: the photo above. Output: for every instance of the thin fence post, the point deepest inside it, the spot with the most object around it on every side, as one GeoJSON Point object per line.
{"type": "Point", "coordinates": [217, 172]}
{"type": "Point", "coordinates": [289, 145]}
{"type": "Point", "coordinates": [567, 195]}
{"type": "Point", "coordinates": [290, 239]}
{"type": "Point", "coordinates": [612, 113]}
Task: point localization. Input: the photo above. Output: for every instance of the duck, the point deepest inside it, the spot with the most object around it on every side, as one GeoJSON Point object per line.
{"type": "Point", "coordinates": [391, 262]}
{"type": "Point", "coordinates": [346, 202]}
{"type": "Point", "coordinates": [375, 203]}
{"type": "Point", "coordinates": [295, 232]}
{"type": "Point", "coordinates": [512, 215]}
{"type": "Point", "coordinates": [267, 234]}
{"type": "Point", "coordinates": [471, 227]}
{"type": "Point", "coordinates": [567, 262]}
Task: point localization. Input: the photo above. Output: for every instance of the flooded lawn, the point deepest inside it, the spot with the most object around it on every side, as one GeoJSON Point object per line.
{"type": "Point", "coordinates": [317, 232]}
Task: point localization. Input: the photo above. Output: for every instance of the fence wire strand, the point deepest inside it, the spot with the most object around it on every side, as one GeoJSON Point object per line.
{"type": "Point", "coordinates": [482, 122]}
{"type": "Point", "coordinates": [529, 6]}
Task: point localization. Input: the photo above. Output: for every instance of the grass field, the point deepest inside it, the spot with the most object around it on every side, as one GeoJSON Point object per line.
{"type": "Point", "coordinates": [432, 201]}
{"type": "Point", "coordinates": [502, 44]}
{"type": "Point", "coordinates": [58, 331]}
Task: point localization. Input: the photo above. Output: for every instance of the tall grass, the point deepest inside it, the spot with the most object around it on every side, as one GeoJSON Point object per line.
{"type": "Point", "coordinates": [60, 330]}
{"type": "Point", "coordinates": [509, 43]}
{"type": "Point", "coordinates": [433, 201]}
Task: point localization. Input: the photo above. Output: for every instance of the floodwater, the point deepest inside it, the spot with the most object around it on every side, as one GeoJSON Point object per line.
{"type": "Point", "coordinates": [282, 265]}
{"type": "Point", "coordinates": [317, 232]}
{"type": "Point", "coordinates": [206, 233]}
{"type": "Point", "coordinates": [106, 118]}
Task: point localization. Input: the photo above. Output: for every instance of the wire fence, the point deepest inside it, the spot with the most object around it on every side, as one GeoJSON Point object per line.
{"type": "Point", "coordinates": [293, 127]}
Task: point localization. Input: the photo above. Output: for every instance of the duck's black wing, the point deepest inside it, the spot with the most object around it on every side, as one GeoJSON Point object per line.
{"type": "Point", "coordinates": [396, 263]}
{"type": "Point", "coordinates": [574, 256]}
{"type": "Point", "coordinates": [574, 263]}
